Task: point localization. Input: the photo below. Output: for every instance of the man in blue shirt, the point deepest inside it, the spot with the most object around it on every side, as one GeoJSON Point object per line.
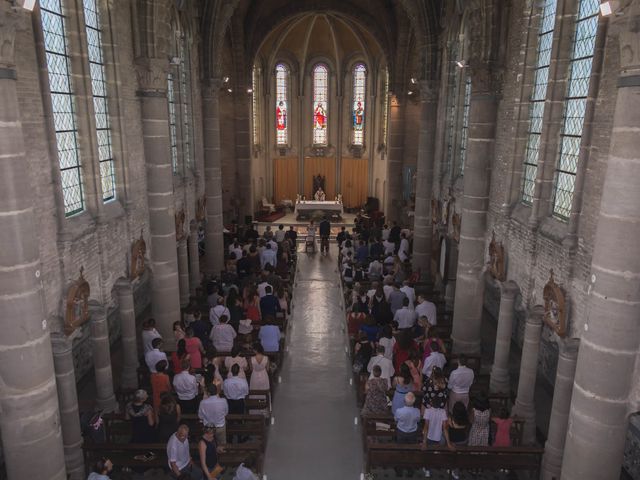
{"type": "Point", "coordinates": [407, 419]}
{"type": "Point", "coordinates": [269, 335]}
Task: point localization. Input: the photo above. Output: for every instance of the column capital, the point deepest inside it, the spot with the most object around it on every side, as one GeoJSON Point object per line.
{"type": "Point", "coordinates": [568, 347]}
{"type": "Point", "coordinates": [152, 77]}
{"type": "Point", "coordinates": [9, 19]}
{"type": "Point", "coordinates": [535, 315]}
{"type": "Point", "coordinates": [211, 87]}
{"type": "Point", "coordinates": [97, 311]}
{"type": "Point", "coordinates": [509, 289]}
{"type": "Point", "coordinates": [61, 344]}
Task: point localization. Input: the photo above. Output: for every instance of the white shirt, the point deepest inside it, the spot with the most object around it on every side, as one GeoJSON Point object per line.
{"type": "Point", "coordinates": [389, 247]}
{"type": "Point", "coordinates": [268, 256]}
{"type": "Point", "coordinates": [411, 295]}
{"type": "Point", "coordinates": [237, 250]}
{"type": "Point", "coordinates": [435, 359]}
{"type": "Point", "coordinates": [405, 317]}
{"type": "Point", "coordinates": [147, 338]}
{"type": "Point", "coordinates": [222, 336]}
{"type": "Point", "coordinates": [388, 344]}
{"type": "Point", "coordinates": [274, 245]}
{"type": "Point", "coordinates": [386, 366]}
{"type": "Point", "coordinates": [185, 385]}
{"type": "Point", "coordinates": [460, 379]}
{"type": "Point", "coordinates": [279, 235]}
{"type": "Point", "coordinates": [154, 356]}
{"type": "Point", "coordinates": [435, 417]}
{"type": "Point", "coordinates": [216, 312]}
{"type": "Point", "coordinates": [213, 410]}
{"type": "Point", "coordinates": [375, 269]}
{"type": "Point", "coordinates": [387, 291]}
{"type": "Point", "coordinates": [262, 289]}
{"type": "Point", "coordinates": [235, 388]}
{"type": "Point", "coordinates": [427, 309]}
{"type": "Point", "coordinates": [385, 233]}
{"type": "Point", "coordinates": [178, 452]}
{"type": "Point", "coordinates": [404, 248]}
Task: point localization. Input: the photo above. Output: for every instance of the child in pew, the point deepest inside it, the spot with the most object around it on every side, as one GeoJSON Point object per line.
{"type": "Point", "coordinates": [503, 424]}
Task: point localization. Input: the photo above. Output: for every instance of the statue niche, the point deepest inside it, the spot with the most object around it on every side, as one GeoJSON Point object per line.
{"type": "Point", "coordinates": [138, 251]}
{"type": "Point", "coordinates": [77, 312]}
{"type": "Point", "coordinates": [496, 259]}
{"type": "Point", "coordinates": [555, 307]}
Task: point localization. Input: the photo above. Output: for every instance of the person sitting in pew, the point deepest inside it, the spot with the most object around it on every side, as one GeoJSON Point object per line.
{"type": "Point", "coordinates": [101, 470]}
{"type": "Point", "coordinates": [179, 457]}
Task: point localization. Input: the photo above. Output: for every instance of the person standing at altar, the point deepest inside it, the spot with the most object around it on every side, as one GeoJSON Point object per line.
{"type": "Point", "coordinates": [320, 196]}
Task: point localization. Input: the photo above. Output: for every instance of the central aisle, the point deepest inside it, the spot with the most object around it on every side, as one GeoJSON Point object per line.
{"type": "Point", "coordinates": [314, 435]}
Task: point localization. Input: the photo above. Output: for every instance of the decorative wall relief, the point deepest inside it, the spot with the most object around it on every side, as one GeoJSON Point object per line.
{"type": "Point", "coordinates": [180, 218]}
{"type": "Point", "coordinates": [138, 251]}
{"type": "Point", "coordinates": [201, 208]}
{"type": "Point", "coordinates": [456, 221]}
{"type": "Point", "coordinates": [555, 310]}
{"type": "Point", "coordinates": [496, 259]}
{"type": "Point", "coordinates": [435, 211]}
{"type": "Point", "coordinates": [77, 311]}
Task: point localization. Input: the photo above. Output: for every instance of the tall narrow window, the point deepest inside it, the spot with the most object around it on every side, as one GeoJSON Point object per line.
{"type": "Point", "coordinates": [464, 129]}
{"type": "Point", "coordinates": [185, 98]}
{"type": "Point", "coordinates": [538, 97]}
{"type": "Point", "coordinates": [359, 96]}
{"type": "Point", "coordinates": [255, 125]}
{"type": "Point", "coordinates": [282, 104]}
{"type": "Point", "coordinates": [575, 105]}
{"type": "Point", "coordinates": [320, 97]}
{"type": "Point", "coordinates": [453, 85]}
{"type": "Point", "coordinates": [100, 102]}
{"type": "Point", "coordinates": [385, 108]}
{"type": "Point", "coordinates": [62, 104]}
{"type": "Point", "coordinates": [173, 138]}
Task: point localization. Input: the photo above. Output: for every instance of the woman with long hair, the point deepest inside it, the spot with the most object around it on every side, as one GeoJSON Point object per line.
{"type": "Point", "coordinates": [179, 356]}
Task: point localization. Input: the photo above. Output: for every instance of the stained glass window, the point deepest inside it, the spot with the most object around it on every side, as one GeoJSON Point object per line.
{"type": "Point", "coordinates": [320, 97]}
{"type": "Point", "coordinates": [254, 106]}
{"type": "Point", "coordinates": [385, 108]}
{"type": "Point", "coordinates": [359, 96]}
{"type": "Point", "coordinates": [451, 103]}
{"type": "Point", "coordinates": [62, 103]}
{"type": "Point", "coordinates": [100, 101]}
{"type": "Point", "coordinates": [538, 97]}
{"type": "Point", "coordinates": [282, 104]}
{"type": "Point", "coordinates": [185, 98]}
{"type": "Point", "coordinates": [575, 105]}
{"type": "Point", "coordinates": [464, 129]}
{"type": "Point", "coordinates": [173, 140]}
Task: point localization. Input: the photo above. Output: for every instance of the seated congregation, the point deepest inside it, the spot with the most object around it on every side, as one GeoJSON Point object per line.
{"type": "Point", "coordinates": [203, 408]}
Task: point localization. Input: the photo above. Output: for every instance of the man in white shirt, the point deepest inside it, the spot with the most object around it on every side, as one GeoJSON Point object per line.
{"type": "Point", "coordinates": [186, 387]}
{"type": "Point", "coordinates": [235, 389]}
{"type": "Point", "coordinates": [213, 411]}
{"type": "Point", "coordinates": [152, 357]}
{"type": "Point", "coordinates": [262, 287]}
{"type": "Point", "coordinates": [274, 245]}
{"type": "Point", "coordinates": [236, 248]}
{"type": "Point", "coordinates": [409, 291]}
{"type": "Point", "coordinates": [385, 232]}
{"type": "Point", "coordinates": [389, 247]}
{"type": "Point", "coordinates": [149, 332]}
{"type": "Point", "coordinates": [375, 270]}
{"type": "Point", "coordinates": [222, 335]}
{"type": "Point", "coordinates": [179, 457]}
{"type": "Point", "coordinates": [435, 359]}
{"type": "Point", "coordinates": [405, 317]}
{"type": "Point", "coordinates": [280, 233]}
{"type": "Point", "coordinates": [403, 251]}
{"type": "Point", "coordinates": [426, 309]}
{"type": "Point", "coordinates": [216, 312]}
{"type": "Point", "coordinates": [384, 363]}
{"type": "Point", "coordinates": [460, 381]}
{"type": "Point", "coordinates": [268, 256]}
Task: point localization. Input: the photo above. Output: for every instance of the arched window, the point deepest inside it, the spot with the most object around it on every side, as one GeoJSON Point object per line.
{"type": "Point", "coordinates": [100, 101]}
{"type": "Point", "coordinates": [464, 128]}
{"type": "Point", "coordinates": [255, 114]}
{"type": "Point", "coordinates": [359, 97]}
{"type": "Point", "coordinates": [185, 98]}
{"type": "Point", "coordinates": [575, 104]}
{"type": "Point", "coordinates": [320, 104]}
{"type": "Point", "coordinates": [62, 105]}
{"type": "Point", "coordinates": [282, 104]}
{"type": "Point", "coordinates": [538, 97]}
{"type": "Point", "coordinates": [385, 108]}
{"type": "Point", "coordinates": [173, 136]}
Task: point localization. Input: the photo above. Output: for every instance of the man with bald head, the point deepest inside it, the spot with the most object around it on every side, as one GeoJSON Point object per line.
{"type": "Point", "coordinates": [180, 461]}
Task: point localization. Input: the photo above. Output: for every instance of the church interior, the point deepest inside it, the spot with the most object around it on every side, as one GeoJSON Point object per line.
{"type": "Point", "coordinates": [139, 139]}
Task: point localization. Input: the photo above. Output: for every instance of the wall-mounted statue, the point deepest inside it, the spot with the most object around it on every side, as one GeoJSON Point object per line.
{"type": "Point", "coordinates": [555, 307]}
{"type": "Point", "coordinates": [77, 311]}
{"type": "Point", "coordinates": [138, 251]}
{"type": "Point", "coordinates": [201, 208]}
{"type": "Point", "coordinates": [180, 217]}
{"type": "Point", "coordinates": [496, 259]}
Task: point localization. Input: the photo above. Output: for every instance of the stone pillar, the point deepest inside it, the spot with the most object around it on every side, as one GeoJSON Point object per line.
{"type": "Point", "coordinates": [214, 258]}
{"type": "Point", "coordinates": [422, 226]}
{"type": "Point", "coordinates": [393, 196]}
{"type": "Point", "coordinates": [29, 417]}
{"type": "Point", "coordinates": [554, 448]}
{"type": "Point", "coordinates": [451, 271]}
{"type": "Point", "coordinates": [68, 400]}
{"type": "Point", "coordinates": [194, 258]}
{"type": "Point", "coordinates": [183, 272]}
{"type": "Point", "coordinates": [525, 407]}
{"type": "Point", "coordinates": [165, 299]}
{"type": "Point", "coordinates": [499, 382]}
{"type": "Point", "coordinates": [243, 158]}
{"type": "Point", "coordinates": [467, 313]}
{"type": "Point", "coordinates": [105, 398]}
{"type": "Point", "coordinates": [127, 314]}
{"type": "Point", "coordinates": [598, 420]}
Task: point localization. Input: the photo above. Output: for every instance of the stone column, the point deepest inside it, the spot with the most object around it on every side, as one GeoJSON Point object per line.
{"type": "Point", "coordinates": [499, 382]}
{"type": "Point", "coordinates": [165, 299]}
{"type": "Point", "coordinates": [525, 407]}
{"type": "Point", "coordinates": [598, 419]}
{"type": "Point", "coordinates": [183, 272]}
{"type": "Point", "coordinates": [29, 417]}
{"type": "Point", "coordinates": [126, 311]}
{"type": "Point", "coordinates": [470, 279]}
{"type": "Point", "coordinates": [68, 400]}
{"type": "Point", "coordinates": [194, 258]}
{"type": "Point", "coordinates": [214, 258]}
{"type": "Point", "coordinates": [105, 398]}
{"type": "Point", "coordinates": [243, 158]}
{"type": "Point", "coordinates": [554, 448]}
{"type": "Point", "coordinates": [422, 227]}
{"type": "Point", "coordinates": [393, 207]}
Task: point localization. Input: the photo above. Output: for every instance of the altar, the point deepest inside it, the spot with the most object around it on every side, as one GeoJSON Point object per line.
{"type": "Point", "coordinates": [311, 208]}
